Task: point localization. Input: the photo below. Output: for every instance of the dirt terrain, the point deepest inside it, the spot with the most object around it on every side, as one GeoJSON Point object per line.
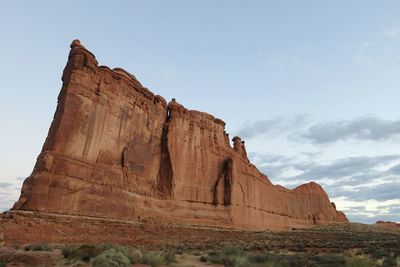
{"type": "Point", "coordinates": [38, 227]}
{"type": "Point", "coordinates": [194, 242]}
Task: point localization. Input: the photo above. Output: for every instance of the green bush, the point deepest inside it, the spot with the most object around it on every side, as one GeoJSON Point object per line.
{"type": "Point", "coordinates": [133, 255]}
{"type": "Point", "coordinates": [111, 258]}
{"type": "Point", "coordinates": [212, 253]}
{"type": "Point", "coordinates": [153, 259]}
{"type": "Point", "coordinates": [389, 261]}
{"type": "Point", "coordinates": [230, 256]}
{"type": "Point", "coordinates": [3, 264]}
{"type": "Point", "coordinates": [328, 260]}
{"type": "Point", "coordinates": [242, 261]}
{"type": "Point", "coordinates": [83, 252]}
{"type": "Point", "coordinates": [233, 251]}
{"type": "Point", "coordinates": [227, 260]}
{"type": "Point", "coordinates": [360, 261]}
{"type": "Point", "coordinates": [39, 247]}
{"type": "Point", "coordinates": [169, 256]}
{"type": "Point", "coordinates": [239, 258]}
{"type": "Point", "coordinates": [258, 258]}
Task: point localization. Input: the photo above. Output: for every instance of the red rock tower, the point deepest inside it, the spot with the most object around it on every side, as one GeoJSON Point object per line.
{"type": "Point", "coordinates": [116, 150]}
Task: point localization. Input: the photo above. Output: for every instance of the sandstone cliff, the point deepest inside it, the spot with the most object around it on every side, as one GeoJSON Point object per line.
{"type": "Point", "coordinates": [116, 150]}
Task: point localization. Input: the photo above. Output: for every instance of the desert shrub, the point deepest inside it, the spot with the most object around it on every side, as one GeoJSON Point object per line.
{"type": "Point", "coordinates": [133, 255]}
{"type": "Point", "coordinates": [231, 250]}
{"type": "Point", "coordinates": [388, 261]}
{"type": "Point", "coordinates": [281, 260]}
{"type": "Point", "coordinates": [111, 258]}
{"type": "Point", "coordinates": [239, 258]}
{"type": "Point", "coordinates": [212, 253]}
{"type": "Point", "coordinates": [168, 256]}
{"type": "Point", "coordinates": [257, 258]}
{"type": "Point", "coordinates": [39, 247]}
{"type": "Point", "coordinates": [242, 261]}
{"type": "Point", "coordinates": [17, 246]}
{"type": "Point", "coordinates": [220, 258]}
{"type": "Point", "coordinates": [65, 251]}
{"type": "Point", "coordinates": [256, 246]}
{"type": "Point", "coordinates": [292, 261]}
{"type": "Point", "coordinates": [203, 258]}
{"type": "Point", "coordinates": [153, 259]}
{"type": "Point", "coordinates": [230, 257]}
{"type": "Point", "coordinates": [83, 252]}
{"type": "Point", "coordinates": [328, 260]}
{"type": "Point", "coordinates": [359, 261]}
{"type": "Point", "coordinates": [195, 253]}
{"type": "Point", "coordinates": [380, 253]}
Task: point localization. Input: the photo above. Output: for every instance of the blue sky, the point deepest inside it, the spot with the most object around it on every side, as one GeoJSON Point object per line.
{"type": "Point", "coordinates": [312, 86]}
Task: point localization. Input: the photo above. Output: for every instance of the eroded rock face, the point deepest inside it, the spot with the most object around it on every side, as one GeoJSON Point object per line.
{"type": "Point", "coordinates": [116, 150]}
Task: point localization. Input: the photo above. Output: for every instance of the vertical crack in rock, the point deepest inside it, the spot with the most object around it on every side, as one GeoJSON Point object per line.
{"type": "Point", "coordinates": [217, 185]}
{"type": "Point", "coordinates": [165, 177]}
{"type": "Point", "coordinates": [243, 194]}
{"type": "Point", "coordinates": [227, 178]}
{"type": "Point", "coordinates": [228, 181]}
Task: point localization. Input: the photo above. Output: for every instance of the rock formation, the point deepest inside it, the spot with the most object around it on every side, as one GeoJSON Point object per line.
{"type": "Point", "coordinates": [116, 150]}
{"type": "Point", "coordinates": [389, 225]}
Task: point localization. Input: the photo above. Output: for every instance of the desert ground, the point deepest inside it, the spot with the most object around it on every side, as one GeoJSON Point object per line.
{"type": "Point", "coordinates": [61, 240]}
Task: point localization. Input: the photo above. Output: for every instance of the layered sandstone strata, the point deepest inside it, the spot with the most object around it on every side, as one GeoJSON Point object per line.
{"type": "Point", "coordinates": [116, 150]}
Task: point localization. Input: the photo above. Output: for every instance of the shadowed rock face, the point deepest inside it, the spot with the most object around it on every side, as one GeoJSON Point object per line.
{"type": "Point", "coordinates": [116, 150]}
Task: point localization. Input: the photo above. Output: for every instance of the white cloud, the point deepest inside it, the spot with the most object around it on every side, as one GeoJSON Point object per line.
{"type": "Point", "coordinates": [362, 128]}
{"type": "Point", "coordinates": [363, 59]}
{"type": "Point", "coordinates": [371, 207]}
{"type": "Point", "coordinates": [298, 128]}
{"type": "Point", "coordinates": [9, 193]}
{"type": "Point", "coordinates": [362, 45]}
{"type": "Point", "coordinates": [274, 126]}
{"type": "Point", "coordinates": [392, 33]}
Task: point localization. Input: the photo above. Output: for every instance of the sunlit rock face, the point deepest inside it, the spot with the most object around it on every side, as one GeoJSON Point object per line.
{"type": "Point", "coordinates": [116, 150]}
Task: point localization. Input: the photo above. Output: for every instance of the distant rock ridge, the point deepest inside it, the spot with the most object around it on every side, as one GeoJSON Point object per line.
{"type": "Point", "coordinates": [116, 150]}
{"type": "Point", "coordinates": [389, 225]}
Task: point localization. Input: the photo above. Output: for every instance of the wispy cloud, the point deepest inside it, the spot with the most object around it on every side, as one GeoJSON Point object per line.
{"type": "Point", "coordinates": [369, 210]}
{"type": "Point", "coordinates": [392, 33]}
{"type": "Point", "coordinates": [299, 129]}
{"type": "Point", "coordinates": [273, 126]}
{"type": "Point", "coordinates": [346, 167]}
{"type": "Point", "coordinates": [362, 55]}
{"type": "Point", "coordinates": [6, 196]}
{"type": "Point", "coordinates": [369, 205]}
{"type": "Point", "coordinates": [361, 45]}
{"type": "Point", "coordinates": [5, 185]}
{"type": "Point", "coordinates": [351, 171]}
{"type": "Point", "coordinates": [365, 128]}
{"type": "Point", "coordinates": [395, 169]}
{"type": "Point", "coordinates": [293, 60]}
{"type": "Point", "coordinates": [9, 192]}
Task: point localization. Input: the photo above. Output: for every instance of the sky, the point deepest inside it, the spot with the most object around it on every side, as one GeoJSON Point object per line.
{"type": "Point", "coordinates": [311, 86]}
